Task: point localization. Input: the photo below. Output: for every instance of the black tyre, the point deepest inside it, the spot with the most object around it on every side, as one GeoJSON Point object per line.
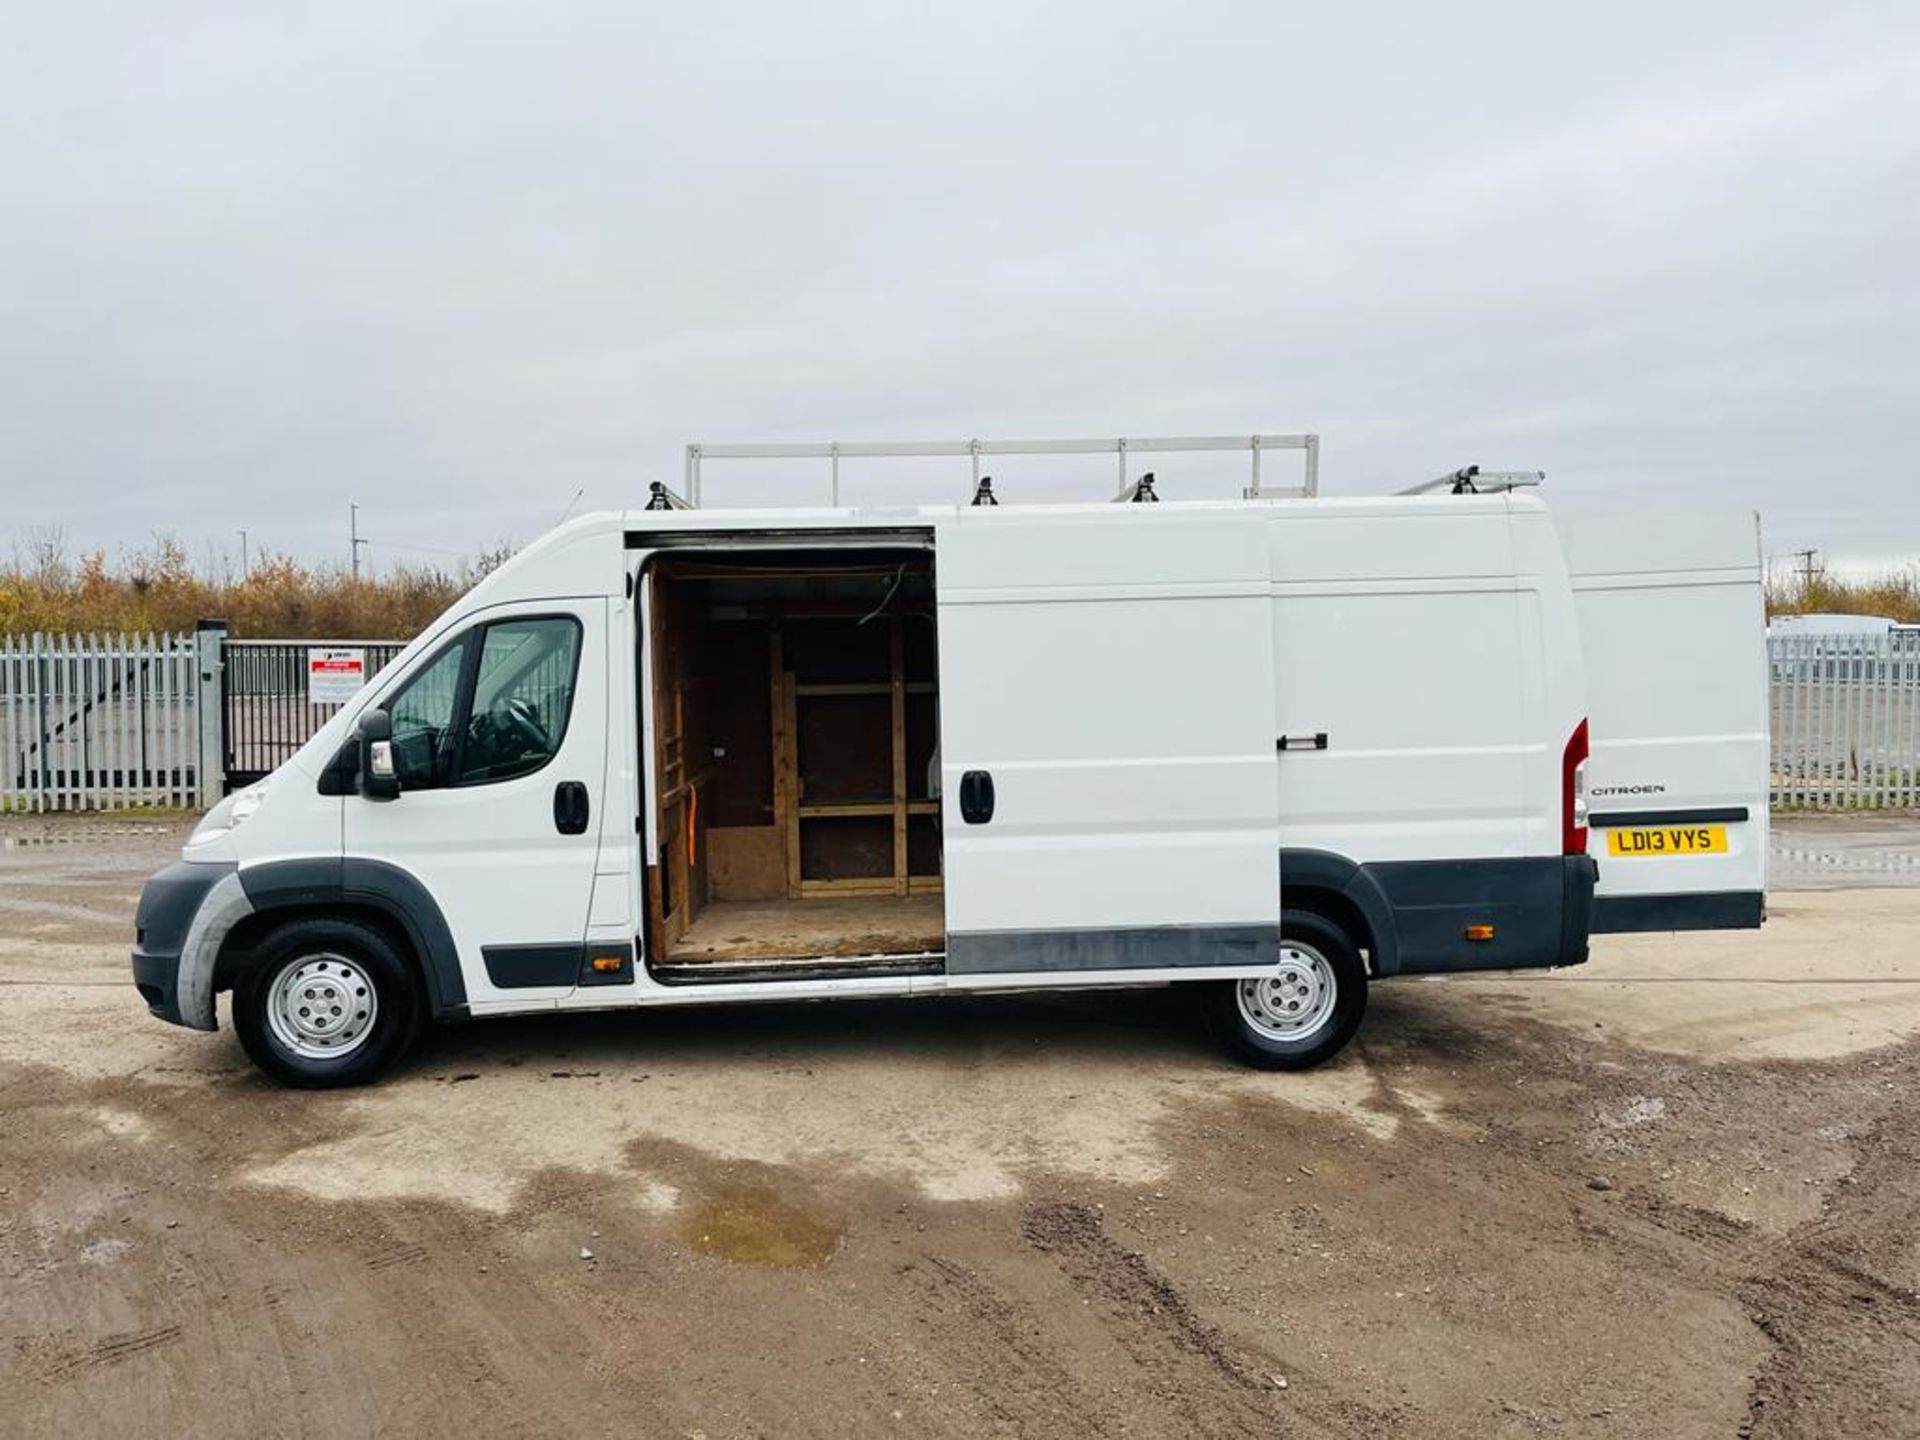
{"type": "Point", "coordinates": [1306, 1010]}
{"type": "Point", "coordinates": [325, 1003]}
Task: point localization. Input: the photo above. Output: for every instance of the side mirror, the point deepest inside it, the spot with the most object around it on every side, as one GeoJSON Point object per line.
{"type": "Point", "coordinates": [379, 777]}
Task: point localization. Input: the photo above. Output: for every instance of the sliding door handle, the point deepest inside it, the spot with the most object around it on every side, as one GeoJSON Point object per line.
{"type": "Point", "coordinates": [976, 797]}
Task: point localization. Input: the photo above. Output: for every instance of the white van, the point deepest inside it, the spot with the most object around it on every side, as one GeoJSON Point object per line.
{"type": "Point", "coordinates": [678, 756]}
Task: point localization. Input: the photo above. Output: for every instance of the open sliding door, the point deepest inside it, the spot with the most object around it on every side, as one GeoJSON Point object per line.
{"type": "Point", "coordinates": [1110, 788]}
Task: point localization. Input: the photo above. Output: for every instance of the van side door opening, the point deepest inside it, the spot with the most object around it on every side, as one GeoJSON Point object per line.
{"type": "Point", "coordinates": [794, 796]}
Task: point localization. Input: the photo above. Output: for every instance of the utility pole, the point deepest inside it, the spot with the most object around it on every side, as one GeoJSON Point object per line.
{"type": "Point", "coordinates": [1806, 558]}
{"type": "Point", "coordinates": [353, 523]}
{"type": "Point", "coordinates": [244, 569]}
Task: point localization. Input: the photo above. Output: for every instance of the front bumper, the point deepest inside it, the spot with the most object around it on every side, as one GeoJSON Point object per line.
{"type": "Point", "coordinates": [157, 978]}
{"type": "Point", "coordinates": [183, 918]}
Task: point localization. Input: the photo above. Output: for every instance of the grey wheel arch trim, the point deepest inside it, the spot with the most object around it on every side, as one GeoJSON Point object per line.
{"type": "Point", "coordinates": [1352, 882]}
{"type": "Point", "coordinates": [294, 884]}
{"type": "Point", "coordinates": [225, 906]}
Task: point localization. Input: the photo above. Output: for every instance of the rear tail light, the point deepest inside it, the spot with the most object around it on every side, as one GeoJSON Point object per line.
{"type": "Point", "coordinates": [1573, 793]}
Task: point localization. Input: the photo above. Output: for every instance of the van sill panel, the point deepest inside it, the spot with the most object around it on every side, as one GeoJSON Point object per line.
{"type": "Point", "coordinates": [736, 972]}
{"type": "Point", "coordinates": [1144, 947]}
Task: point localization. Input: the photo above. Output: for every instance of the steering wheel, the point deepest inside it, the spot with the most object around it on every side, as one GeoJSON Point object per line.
{"type": "Point", "coordinates": [513, 713]}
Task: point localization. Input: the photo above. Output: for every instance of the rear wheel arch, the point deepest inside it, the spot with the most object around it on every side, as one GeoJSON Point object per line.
{"type": "Point", "coordinates": [1336, 909]}
{"type": "Point", "coordinates": [1343, 892]}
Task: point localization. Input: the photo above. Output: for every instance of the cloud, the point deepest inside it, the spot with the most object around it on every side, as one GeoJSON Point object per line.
{"type": "Point", "coordinates": [455, 262]}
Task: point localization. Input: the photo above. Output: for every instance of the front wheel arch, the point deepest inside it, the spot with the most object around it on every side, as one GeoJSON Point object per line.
{"type": "Point", "coordinates": [374, 891]}
{"type": "Point", "coordinates": [251, 933]}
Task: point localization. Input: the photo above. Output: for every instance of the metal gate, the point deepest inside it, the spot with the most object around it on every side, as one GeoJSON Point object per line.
{"type": "Point", "coordinates": [269, 711]}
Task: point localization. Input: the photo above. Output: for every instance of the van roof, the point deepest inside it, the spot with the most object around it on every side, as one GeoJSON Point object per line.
{"type": "Point", "coordinates": [582, 551]}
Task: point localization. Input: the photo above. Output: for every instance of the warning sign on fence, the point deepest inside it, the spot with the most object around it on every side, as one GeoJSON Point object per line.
{"type": "Point", "coordinates": [335, 676]}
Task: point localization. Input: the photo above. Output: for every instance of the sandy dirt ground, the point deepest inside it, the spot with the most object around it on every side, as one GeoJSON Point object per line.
{"type": "Point", "coordinates": [1673, 1193]}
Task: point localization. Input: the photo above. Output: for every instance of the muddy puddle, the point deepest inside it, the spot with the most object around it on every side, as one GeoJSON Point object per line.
{"type": "Point", "coordinates": [757, 1227]}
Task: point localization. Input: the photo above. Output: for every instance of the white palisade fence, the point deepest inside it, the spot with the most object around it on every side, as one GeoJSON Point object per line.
{"type": "Point", "coordinates": [101, 722]}
{"type": "Point", "coordinates": [1846, 720]}
{"type": "Point", "coordinates": [105, 722]}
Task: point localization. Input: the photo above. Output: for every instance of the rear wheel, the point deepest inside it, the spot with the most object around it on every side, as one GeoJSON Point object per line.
{"type": "Point", "coordinates": [326, 1003]}
{"type": "Point", "coordinates": [1305, 1009]}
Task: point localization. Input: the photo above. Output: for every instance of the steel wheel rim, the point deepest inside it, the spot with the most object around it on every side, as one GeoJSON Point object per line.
{"type": "Point", "coordinates": [322, 1007]}
{"type": "Point", "coordinates": [1295, 1001]}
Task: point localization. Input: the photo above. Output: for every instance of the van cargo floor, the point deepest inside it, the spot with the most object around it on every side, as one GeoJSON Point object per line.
{"type": "Point", "coordinates": [840, 927]}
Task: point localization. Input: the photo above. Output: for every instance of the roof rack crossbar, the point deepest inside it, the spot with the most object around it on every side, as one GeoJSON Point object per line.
{"type": "Point", "coordinates": [834, 451]}
{"type": "Point", "coordinates": [1472, 480]}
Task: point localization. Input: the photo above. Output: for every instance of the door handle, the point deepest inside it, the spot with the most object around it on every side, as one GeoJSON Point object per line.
{"type": "Point", "coordinates": [570, 807]}
{"type": "Point", "coordinates": [976, 797]}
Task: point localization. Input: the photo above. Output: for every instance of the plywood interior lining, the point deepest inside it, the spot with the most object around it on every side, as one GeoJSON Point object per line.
{"type": "Point", "coordinates": [841, 926]}
{"type": "Point", "coordinates": [795, 705]}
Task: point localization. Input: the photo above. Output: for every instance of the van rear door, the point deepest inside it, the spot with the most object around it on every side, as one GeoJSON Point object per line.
{"type": "Point", "coordinates": [1107, 745]}
{"type": "Point", "coordinates": [1673, 629]}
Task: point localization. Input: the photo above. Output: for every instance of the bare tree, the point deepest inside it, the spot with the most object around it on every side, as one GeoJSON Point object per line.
{"type": "Point", "coordinates": [41, 554]}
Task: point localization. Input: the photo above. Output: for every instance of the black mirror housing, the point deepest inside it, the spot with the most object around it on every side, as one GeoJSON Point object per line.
{"type": "Point", "coordinates": [379, 777]}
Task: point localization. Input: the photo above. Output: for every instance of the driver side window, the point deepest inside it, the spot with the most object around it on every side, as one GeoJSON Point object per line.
{"type": "Point", "coordinates": [423, 715]}
{"type": "Point", "coordinates": [522, 697]}
{"type": "Point", "coordinates": [469, 718]}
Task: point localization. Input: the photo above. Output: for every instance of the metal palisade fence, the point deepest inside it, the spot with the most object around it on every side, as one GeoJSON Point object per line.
{"type": "Point", "coordinates": [111, 722]}
{"type": "Point", "coordinates": [99, 722]}
{"type": "Point", "coordinates": [1846, 720]}
{"type": "Point", "coordinates": [108, 722]}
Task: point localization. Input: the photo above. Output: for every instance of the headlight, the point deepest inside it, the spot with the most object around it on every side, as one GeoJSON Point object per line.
{"type": "Point", "coordinates": [229, 814]}
{"type": "Point", "coordinates": [246, 802]}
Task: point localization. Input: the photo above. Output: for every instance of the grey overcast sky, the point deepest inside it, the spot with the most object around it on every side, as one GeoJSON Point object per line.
{"type": "Point", "coordinates": [457, 261]}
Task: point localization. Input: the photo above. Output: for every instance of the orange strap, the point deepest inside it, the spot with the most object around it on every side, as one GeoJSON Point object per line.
{"type": "Point", "coordinates": [693, 814]}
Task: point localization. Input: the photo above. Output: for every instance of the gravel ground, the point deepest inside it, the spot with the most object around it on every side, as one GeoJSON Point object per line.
{"type": "Point", "coordinates": [1671, 1193]}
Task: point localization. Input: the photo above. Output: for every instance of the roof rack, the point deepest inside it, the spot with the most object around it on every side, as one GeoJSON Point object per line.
{"type": "Point", "coordinates": [659, 497]}
{"type": "Point", "coordinates": [1472, 480]}
{"type": "Point", "coordinates": [834, 451]}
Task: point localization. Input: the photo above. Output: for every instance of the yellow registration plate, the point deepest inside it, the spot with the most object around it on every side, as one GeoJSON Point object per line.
{"type": "Point", "coordinates": [1667, 840]}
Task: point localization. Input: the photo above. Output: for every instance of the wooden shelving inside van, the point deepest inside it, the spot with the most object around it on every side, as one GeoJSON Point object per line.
{"type": "Point", "coordinates": [796, 752]}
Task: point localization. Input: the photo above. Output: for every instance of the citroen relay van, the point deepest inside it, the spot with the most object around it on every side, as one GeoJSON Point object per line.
{"type": "Point", "coordinates": [1274, 750]}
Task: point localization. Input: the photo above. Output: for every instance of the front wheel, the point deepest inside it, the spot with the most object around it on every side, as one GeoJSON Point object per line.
{"type": "Point", "coordinates": [325, 1003]}
{"type": "Point", "coordinates": [1305, 1009]}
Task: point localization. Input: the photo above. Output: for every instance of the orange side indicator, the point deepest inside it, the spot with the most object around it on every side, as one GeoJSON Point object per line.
{"type": "Point", "coordinates": [1479, 932]}
{"type": "Point", "coordinates": [606, 964]}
